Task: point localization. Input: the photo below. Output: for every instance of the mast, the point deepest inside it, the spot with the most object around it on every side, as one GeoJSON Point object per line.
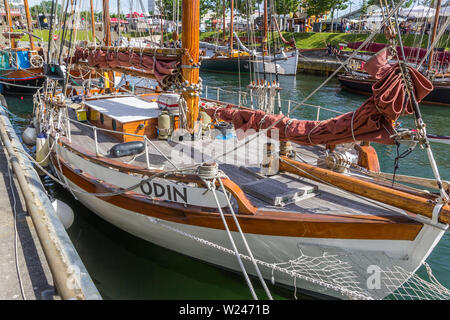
{"type": "Point", "coordinates": [190, 36]}
{"type": "Point", "coordinates": [231, 25]}
{"type": "Point", "coordinates": [9, 20]}
{"type": "Point", "coordinates": [224, 22]}
{"type": "Point", "coordinates": [109, 81]}
{"type": "Point", "coordinates": [118, 20]}
{"type": "Point", "coordinates": [433, 36]}
{"type": "Point", "coordinates": [29, 27]}
{"type": "Point", "coordinates": [106, 24]}
{"type": "Point", "coordinates": [93, 22]}
{"type": "Point", "coordinates": [266, 27]}
{"type": "Point", "coordinates": [161, 20]}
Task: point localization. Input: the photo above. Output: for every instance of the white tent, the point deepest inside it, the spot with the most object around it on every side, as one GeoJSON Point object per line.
{"type": "Point", "coordinates": [418, 12]}
{"type": "Point", "coordinates": [445, 11]}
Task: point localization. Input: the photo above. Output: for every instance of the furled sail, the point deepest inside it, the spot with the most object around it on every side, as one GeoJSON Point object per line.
{"type": "Point", "coordinates": [159, 67]}
{"type": "Point", "coordinates": [372, 121]}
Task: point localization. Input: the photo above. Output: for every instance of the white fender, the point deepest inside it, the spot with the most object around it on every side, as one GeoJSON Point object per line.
{"type": "Point", "coordinates": [64, 213]}
{"type": "Point", "coordinates": [29, 136]}
{"type": "Point", "coordinates": [42, 150]}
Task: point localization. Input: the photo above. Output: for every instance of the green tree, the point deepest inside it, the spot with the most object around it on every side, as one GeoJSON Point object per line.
{"type": "Point", "coordinates": [318, 7]}
{"type": "Point", "coordinates": [364, 7]}
{"type": "Point", "coordinates": [285, 7]}
{"type": "Point", "coordinates": [166, 7]}
{"type": "Point", "coordinates": [407, 3]}
{"type": "Point", "coordinates": [43, 7]}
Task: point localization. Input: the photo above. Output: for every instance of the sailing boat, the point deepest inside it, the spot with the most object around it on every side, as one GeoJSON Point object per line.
{"type": "Point", "coordinates": [21, 69]}
{"type": "Point", "coordinates": [227, 60]}
{"type": "Point", "coordinates": [359, 81]}
{"type": "Point", "coordinates": [291, 211]}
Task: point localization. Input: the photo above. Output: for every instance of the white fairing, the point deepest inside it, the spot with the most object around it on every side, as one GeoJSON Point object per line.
{"type": "Point", "coordinates": [359, 254]}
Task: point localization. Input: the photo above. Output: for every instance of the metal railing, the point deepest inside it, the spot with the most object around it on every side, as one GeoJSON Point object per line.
{"type": "Point", "coordinates": [95, 129]}
{"type": "Point", "coordinates": [244, 98]}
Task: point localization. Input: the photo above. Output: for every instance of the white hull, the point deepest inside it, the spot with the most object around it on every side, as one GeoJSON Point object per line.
{"type": "Point", "coordinates": [359, 254]}
{"type": "Point", "coordinates": [283, 64]}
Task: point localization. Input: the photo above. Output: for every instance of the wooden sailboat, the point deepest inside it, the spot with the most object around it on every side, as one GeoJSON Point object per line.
{"type": "Point", "coordinates": [359, 81]}
{"type": "Point", "coordinates": [243, 60]}
{"type": "Point", "coordinates": [21, 69]}
{"type": "Point", "coordinates": [248, 207]}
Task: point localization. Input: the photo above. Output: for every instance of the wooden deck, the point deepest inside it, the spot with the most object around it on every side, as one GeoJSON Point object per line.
{"type": "Point", "coordinates": [242, 167]}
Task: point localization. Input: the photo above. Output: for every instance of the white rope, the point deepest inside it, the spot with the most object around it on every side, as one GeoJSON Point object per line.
{"type": "Point", "coordinates": [247, 247]}
{"type": "Point", "coordinates": [238, 256]}
{"type": "Point", "coordinates": [16, 254]}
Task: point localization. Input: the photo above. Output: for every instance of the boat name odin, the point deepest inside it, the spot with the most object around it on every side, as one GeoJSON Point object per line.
{"type": "Point", "coordinates": [168, 192]}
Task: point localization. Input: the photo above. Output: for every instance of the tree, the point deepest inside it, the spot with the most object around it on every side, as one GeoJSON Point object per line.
{"type": "Point", "coordinates": [318, 7]}
{"type": "Point", "coordinates": [407, 3]}
{"type": "Point", "coordinates": [285, 7]}
{"type": "Point", "coordinates": [166, 7]}
{"type": "Point", "coordinates": [336, 5]}
{"type": "Point", "coordinates": [44, 7]}
{"type": "Point", "coordinates": [364, 7]}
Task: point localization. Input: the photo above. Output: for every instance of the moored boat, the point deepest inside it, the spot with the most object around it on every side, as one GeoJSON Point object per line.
{"type": "Point", "coordinates": [227, 60]}
{"type": "Point", "coordinates": [362, 83]}
{"type": "Point", "coordinates": [21, 69]}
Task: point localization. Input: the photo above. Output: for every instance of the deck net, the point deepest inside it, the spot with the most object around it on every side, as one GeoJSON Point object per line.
{"type": "Point", "coordinates": [393, 282]}
{"type": "Point", "coordinates": [360, 276]}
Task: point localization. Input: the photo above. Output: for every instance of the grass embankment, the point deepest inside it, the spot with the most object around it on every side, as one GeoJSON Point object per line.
{"type": "Point", "coordinates": [310, 40]}
{"type": "Point", "coordinates": [43, 34]}
{"type": "Point", "coordinates": [313, 40]}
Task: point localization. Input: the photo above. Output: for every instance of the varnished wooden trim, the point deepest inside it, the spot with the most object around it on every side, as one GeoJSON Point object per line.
{"type": "Point", "coordinates": [245, 206]}
{"type": "Point", "coordinates": [263, 222]}
{"type": "Point", "coordinates": [394, 197]}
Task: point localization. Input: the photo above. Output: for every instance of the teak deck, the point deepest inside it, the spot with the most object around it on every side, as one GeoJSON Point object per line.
{"type": "Point", "coordinates": [328, 200]}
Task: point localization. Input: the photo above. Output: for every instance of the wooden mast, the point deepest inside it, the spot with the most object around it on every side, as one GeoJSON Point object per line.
{"type": "Point", "coordinates": [109, 81]}
{"type": "Point", "coordinates": [224, 22]}
{"type": "Point", "coordinates": [161, 22]}
{"type": "Point", "coordinates": [266, 27]}
{"type": "Point", "coordinates": [231, 25]}
{"type": "Point", "coordinates": [190, 37]}
{"type": "Point", "coordinates": [29, 27]}
{"type": "Point", "coordinates": [93, 22]}
{"type": "Point", "coordinates": [118, 21]}
{"type": "Point", "coordinates": [106, 24]}
{"type": "Point", "coordinates": [9, 20]}
{"type": "Point", "coordinates": [433, 36]}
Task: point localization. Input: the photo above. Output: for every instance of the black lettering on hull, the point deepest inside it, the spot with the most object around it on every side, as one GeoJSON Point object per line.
{"type": "Point", "coordinates": [182, 195]}
{"type": "Point", "coordinates": [157, 190]}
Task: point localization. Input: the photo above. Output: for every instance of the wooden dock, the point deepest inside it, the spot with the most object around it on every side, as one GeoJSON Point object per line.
{"type": "Point", "coordinates": [38, 260]}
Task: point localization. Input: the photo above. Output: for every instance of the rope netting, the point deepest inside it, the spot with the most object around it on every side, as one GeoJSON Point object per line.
{"type": "Point", "coordinates": [381, 282]}
{"type": "Point", "coordinates": [360, 276]}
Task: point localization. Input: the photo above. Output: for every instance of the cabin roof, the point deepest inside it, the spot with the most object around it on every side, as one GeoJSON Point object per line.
{"type": "Point", "coordinates": [126, 109]}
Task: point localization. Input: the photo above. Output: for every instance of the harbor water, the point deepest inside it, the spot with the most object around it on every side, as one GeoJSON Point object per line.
{"type": "Point", "coordinates": [125, 267]}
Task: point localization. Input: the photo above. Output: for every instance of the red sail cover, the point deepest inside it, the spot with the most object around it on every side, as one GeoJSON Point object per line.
{"type": "Point", "coordinates": [372, 121]}
{"type": "Point", "coordinates": [410, 53]}
{"type": "Point", "coordinates": [160, 67]}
